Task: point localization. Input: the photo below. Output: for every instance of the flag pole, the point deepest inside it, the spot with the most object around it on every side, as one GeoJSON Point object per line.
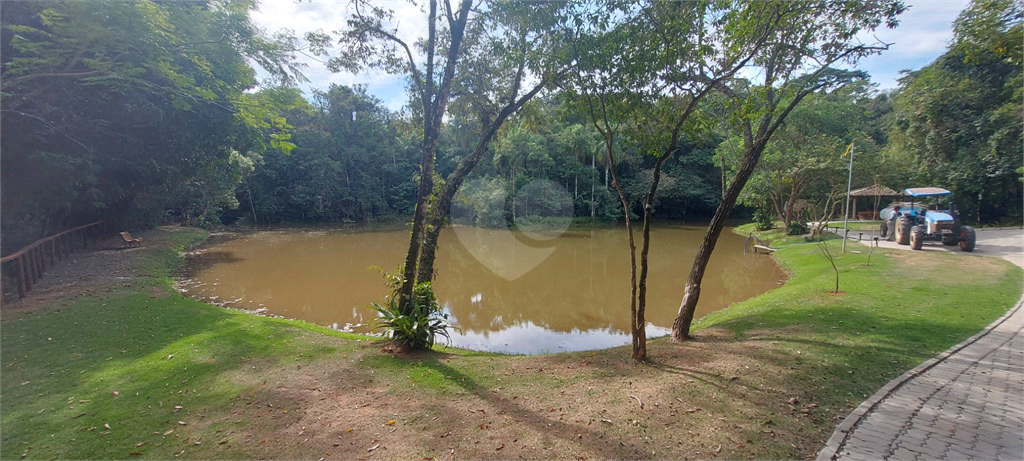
{"type": "Point", "coordinates": [849, 183]}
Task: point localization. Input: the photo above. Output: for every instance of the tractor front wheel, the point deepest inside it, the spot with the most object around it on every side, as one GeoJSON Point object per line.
{"type": "Point", "coordinates": [883, 232]}
{"type": "Point", "coordinates": [917, 237]}
{"type": "Point", "coordinates": [903, 226]}
{"type": "Point", "coordinates": [967, 238]}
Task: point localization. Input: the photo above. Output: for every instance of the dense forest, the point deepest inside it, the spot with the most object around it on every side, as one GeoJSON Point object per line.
{"type": "Point", "coordinates": [142, 113]}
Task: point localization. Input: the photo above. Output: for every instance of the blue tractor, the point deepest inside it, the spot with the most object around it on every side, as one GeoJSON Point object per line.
{"type": "Point", "coordinates": [927, 220]}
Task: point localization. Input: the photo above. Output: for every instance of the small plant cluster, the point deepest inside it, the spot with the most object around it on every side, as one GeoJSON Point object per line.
{"type": "Point", "coordinates": [763, 219]}
{"type": "Point", "coordinates": [797, 228]}
{"type": "Point", "coordinates": [415, 325]}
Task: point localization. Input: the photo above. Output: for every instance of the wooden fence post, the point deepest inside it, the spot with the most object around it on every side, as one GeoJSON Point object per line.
{"type": "Point", "coordinates": [31, 259]}
{"type": "Point", "coordinates": [21, 277]}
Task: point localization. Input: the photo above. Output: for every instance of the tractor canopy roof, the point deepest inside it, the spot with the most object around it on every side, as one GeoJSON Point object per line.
{"type": "Point", "coordinates": [926, 192]}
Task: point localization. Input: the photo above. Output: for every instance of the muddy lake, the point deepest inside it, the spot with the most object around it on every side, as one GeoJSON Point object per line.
{"type": "Point", "coordinates": [504, 292]}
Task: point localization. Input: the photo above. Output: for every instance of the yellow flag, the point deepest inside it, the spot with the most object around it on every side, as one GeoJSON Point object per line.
{"type": "Point", "coordinates": [848, 150]}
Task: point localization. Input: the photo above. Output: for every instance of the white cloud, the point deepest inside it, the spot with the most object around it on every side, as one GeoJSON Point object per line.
{"type": "Point", "coordinates": [329, 16]}
{"type": "Point", "coordinates": [924, 33]}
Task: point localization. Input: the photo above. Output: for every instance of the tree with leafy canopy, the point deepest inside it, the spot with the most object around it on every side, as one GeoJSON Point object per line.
{"type": "Point", "coordinates": [487, 56]}
{"type": "Point", "coordinates": [118, 103]}
{"type": "Point", "coordinates": [513, 46]}
{"type": "Point", "coordinates": [804, 40]}
{"type": "Point", "coordinates": [349, 163]}
{"type": "Point", "coordinates": [652, 64]}
{"type": "Point", "coordinates": [958, 120]}
{"type": "Point", "coordinates": [804, 155]}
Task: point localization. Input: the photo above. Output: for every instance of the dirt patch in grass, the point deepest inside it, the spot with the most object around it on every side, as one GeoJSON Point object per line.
{"type": "Point", "coordinates": [300, 392]}
{"type": "Point", "coordinates": [711, 399]}
{"type": "Point", "coordinates": [104, 267]}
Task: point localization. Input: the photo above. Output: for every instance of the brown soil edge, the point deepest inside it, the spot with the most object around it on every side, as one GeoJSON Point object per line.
{"type": "Point", "coordinates": [715, 397]}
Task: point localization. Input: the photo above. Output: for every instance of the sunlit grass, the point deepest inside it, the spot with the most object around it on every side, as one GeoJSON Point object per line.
{"type": "Point", "coordinates": [898, 311]}
{"type": "Point", "coordinates": [102, 376]}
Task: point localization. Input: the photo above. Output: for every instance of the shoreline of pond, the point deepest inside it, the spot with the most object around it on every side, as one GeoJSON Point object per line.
{"type": "Point", "coordinates": [734, 385]}
{"type": "Point", "coordinates": [508, 331]}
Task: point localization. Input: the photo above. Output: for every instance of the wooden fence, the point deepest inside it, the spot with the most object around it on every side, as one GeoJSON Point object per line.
{"type": "Point", "coordinates": [30, 262]}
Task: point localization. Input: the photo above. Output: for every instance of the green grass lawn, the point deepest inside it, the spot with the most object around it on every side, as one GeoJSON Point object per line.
{"type": "Point", "coordinates": [143, 372]}
{"type": "Point", "coordinates": [902, 309]}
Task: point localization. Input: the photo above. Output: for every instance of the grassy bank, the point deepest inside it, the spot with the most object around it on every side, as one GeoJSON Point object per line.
{"type": "Point", "coordinates": [138, 371]}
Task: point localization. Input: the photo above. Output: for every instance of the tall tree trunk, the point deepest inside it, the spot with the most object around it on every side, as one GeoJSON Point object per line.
{"type": "Point", "coordinates": [425, 269]}
{"type": "Point", "coordinates": [794, 195]}
{"type": "Point", "coordinates": [593, 189]}
{"type": "Point", "coordinates": [419, 219]}
{"type": "Point", "coordinates": [681, 326]}
{"type": "Point", "coordinates": [434, 98]}
{"type": "Point", "coordinates": [639, 342]}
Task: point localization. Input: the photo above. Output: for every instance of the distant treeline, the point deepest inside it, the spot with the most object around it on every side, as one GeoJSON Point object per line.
{"type": "Point", "coordinates": [142, 113]}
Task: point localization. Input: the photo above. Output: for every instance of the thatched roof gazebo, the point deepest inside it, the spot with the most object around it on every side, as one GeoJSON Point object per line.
{"type": "Point", "coordinates": [875, 191]}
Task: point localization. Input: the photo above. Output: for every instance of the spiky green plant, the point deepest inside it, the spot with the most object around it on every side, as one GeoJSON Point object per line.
{"type": "Point", "coordinates": [419, 324]}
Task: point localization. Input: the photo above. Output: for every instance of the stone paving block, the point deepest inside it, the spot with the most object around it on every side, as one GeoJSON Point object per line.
{"type": "Point", "coordinates": [988, 427]}
{"type": "Point", "coordinates": [887, 426]}
{"type": "Point", "coordinates": [986, 450]}
{"type": "Point", "coordinates": [936, 445]}
{"type": "Point", "coordinates": [964, 404]}
{"type": "Point", "coordinates": [903, 454]}
{"type": "Point", "coordinates": [949, 441]}
{"type": "Point", "coordinates": [848, 456]}
{"type": "Point", "coordinates": [862, 441]}
{"type": "Point", "coordinates": [933, 427]}
{"type": "Point", "coordinates": [875, 435]}
{"type": "Point", "coordinates": [960, 452]}
{"type": "Point", "coordinates": [1015, 453]}
{"type": "Point", "coordinates": [964, 438]}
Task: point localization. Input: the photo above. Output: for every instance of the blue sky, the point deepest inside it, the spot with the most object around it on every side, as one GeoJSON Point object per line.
{"type": "Point", "coordinates": [924, 33]}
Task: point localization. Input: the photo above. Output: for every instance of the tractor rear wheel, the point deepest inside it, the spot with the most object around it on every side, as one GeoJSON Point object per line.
{"type": "Point", "coordinates": [883, 232]}
{"type": "Point", "coordinates": [903, 226]}
{"type": "Point", "coordinates": [967, 238]}
{"type": "Point", "coordinates": [917, 237]}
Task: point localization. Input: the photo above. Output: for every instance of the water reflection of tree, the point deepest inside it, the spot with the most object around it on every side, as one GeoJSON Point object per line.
{"type": "Point", "coordinates": [583, 295]}
{"type": "Point", "coordinates": [580, 287]}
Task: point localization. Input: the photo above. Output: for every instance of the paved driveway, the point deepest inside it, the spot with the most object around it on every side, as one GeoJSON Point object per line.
{"type": "Point", "coordinates": [1006, 243]}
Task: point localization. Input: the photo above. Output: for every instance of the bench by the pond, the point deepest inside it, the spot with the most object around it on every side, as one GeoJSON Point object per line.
{"type": "Point", "coordinates": [129, 241]}
{"type": "Point", "coordinates": [30, 262]}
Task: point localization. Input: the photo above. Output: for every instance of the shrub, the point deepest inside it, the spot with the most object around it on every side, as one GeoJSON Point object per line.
{"type": "Point", "coordinates": [763, 219]}
{"type": "Point", "coordinates": [419, 324]}
{"type": "Point", "coordinates": [797, 227]}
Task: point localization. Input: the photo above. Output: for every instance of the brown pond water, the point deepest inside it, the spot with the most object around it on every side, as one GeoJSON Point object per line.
{"type": "Point", "coordinates": [503, 292]}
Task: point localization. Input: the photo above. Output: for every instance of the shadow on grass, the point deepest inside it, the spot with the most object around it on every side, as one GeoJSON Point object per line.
{"type": "Point", "coordinates": [124, 362]}
{"type": "Point", "coordinates": [538, 421]}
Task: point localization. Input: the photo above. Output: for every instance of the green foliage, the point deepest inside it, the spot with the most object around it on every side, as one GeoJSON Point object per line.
{"type": "Point", "coordinates": [126, 110]}
{"type": "Point", "coordinates": [796, 227]}
{"type": "Point", "coordinates": [958, 121]}
{"type": "Point", "coordinates": [349, 164]}
{"type": "Point", "coordinates": [481, 203]}
{"type": "Point", "coordinates": [419, 324]}
{"type": "Point", "coordinates": [763, 219]}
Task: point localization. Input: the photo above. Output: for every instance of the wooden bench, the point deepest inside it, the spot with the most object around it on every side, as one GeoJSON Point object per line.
{"type": "Point", "coordinates": [129, 241]}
